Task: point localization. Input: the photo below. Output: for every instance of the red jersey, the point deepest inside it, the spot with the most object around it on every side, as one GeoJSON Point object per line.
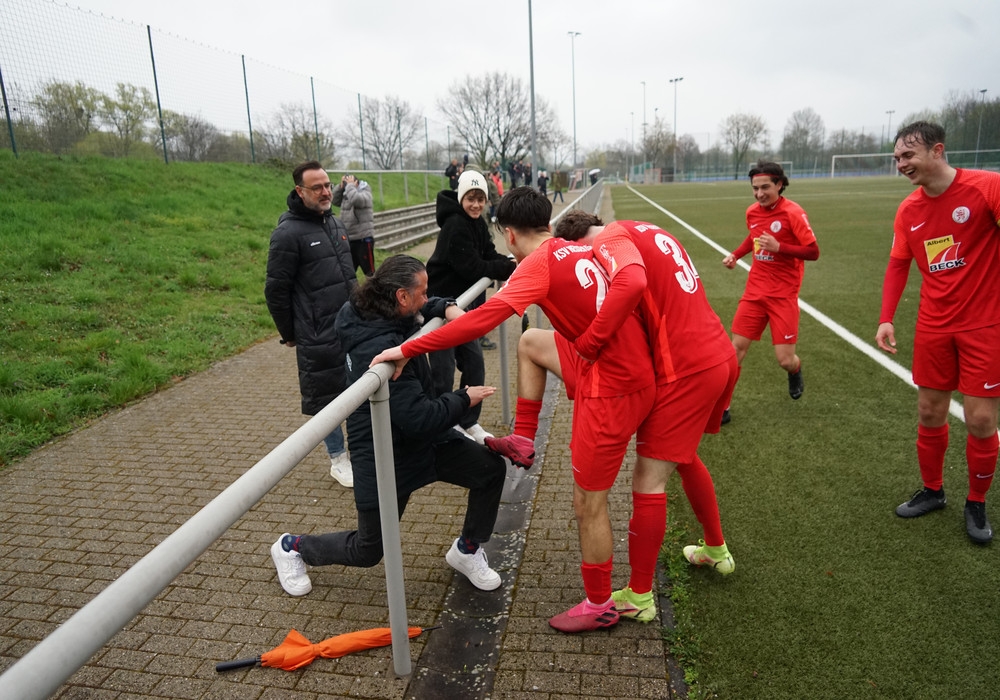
{"type": "Point", "coordinates": [562, 278]}
{"type": "Point", "coordinates": [955, 240]}
{"type": "Point", "coordinates": [774, 274]}
{"type": "Point", "coordinates": [685, 333]}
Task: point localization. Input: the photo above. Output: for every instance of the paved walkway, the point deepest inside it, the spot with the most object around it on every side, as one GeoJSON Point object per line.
{"type": "Point", "coordinates": [81, 510]}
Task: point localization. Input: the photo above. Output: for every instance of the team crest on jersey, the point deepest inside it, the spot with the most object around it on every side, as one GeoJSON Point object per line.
{"type": "Point", "coordinates": [942, 254]}
{"type": "Point", "coordinates": [960, 215]}
{"type": "Point", "coordinates": [775, 226]}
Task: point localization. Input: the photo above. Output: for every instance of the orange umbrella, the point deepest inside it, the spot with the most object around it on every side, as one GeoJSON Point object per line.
{"type": "Point", "coordinates": [297, 651]}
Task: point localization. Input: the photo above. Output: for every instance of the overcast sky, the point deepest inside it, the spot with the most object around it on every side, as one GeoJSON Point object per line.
{"type": "Point", "coordinates": [850, 60]}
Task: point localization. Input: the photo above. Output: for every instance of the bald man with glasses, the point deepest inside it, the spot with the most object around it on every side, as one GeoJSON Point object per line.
{"type": "Point", "coordinates": [310, 275]}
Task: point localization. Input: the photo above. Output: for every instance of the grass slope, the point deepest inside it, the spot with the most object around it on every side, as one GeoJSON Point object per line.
{"type": "Point", "coordinates": [118, 277]}
{"type": "Point", "coordinates": [833, 596]}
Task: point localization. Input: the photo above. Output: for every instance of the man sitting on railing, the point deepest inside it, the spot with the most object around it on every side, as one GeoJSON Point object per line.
{"type": "Point", "coordinates": [384, 311]}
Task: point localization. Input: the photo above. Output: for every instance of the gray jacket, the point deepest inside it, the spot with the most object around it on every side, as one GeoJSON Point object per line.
{"type": "Point", "coordinates": [356, 213]}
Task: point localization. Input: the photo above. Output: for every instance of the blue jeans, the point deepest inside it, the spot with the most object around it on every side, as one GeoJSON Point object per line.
{"type": "Point", "coordinates": [335, 442]}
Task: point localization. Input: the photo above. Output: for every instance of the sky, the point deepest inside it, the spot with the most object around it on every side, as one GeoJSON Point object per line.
{"type": "Point", "coordinates": [851, 61]}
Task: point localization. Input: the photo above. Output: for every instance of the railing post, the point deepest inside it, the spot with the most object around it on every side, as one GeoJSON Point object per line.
{"type": "Point", "coordinates": [392, 550]}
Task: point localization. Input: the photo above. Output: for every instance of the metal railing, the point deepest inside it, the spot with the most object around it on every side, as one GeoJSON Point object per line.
{"type": "Point", "coordinates": [40, 672]}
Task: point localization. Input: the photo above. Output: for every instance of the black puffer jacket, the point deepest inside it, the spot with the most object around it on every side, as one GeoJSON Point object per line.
{"type": "Point", "coordinates": [464, 252]}
{"type": "Point", "coordinates": [309, 277]}
{"type": "Point", "coordinates": [418, 419]}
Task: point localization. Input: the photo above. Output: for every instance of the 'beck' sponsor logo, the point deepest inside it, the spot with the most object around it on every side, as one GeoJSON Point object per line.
{"type": "Point", "coordinates": [942, 254]}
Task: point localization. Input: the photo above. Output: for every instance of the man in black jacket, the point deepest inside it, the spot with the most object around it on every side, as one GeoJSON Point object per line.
{"type": "Point", "coordinates": [309, 277]}
{"type": "Point", "coordinates": [383, 312]}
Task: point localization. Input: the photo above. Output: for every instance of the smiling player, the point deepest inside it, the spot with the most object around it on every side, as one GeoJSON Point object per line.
{"type": "Point", "coordinates": [949, 226]}
{"type": "Point", "coordinates": [781, 240]}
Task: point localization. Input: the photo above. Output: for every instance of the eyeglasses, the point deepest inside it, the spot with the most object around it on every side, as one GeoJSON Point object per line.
{"type": "Point", "coordinates": [319, 188]}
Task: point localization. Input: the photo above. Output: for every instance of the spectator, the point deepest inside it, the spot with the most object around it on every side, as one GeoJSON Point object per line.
{"type": "Point", "coordinates": [386, 309]}
{"type": "Point", "coordinates": [354, 197]}
{"type": "Point", "coordinates": [512, 170]}
{"type": "Point", "coordinates": [495, 185]}
{"type": "Point", "coordinates": [557, 187]}
{"type": "Point", "coordinates": [464, 254]}
{"type": "Point", "coordinates": [526, 169]}
{"type": "Point", "coordinates": [309, 277]}
{"type": "Point", "coordinates": [543, 183]}
{"type": "Point", "coordinates": [452, 172]}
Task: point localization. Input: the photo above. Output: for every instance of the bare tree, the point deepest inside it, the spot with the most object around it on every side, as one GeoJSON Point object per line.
{"type": "Point", "coordinates": [69, 111]}
{"type": "Point", "coordinates": [188, 137]}
{"type": "Point", "coordinates": [294, 133]}
{"type": "Point", "coordinates": [658, 143]}
{"type": "Point", "coordinates": [804, 137]}
{"type": "Point", "coordinates": [491, 113]}
{"type": "Point", "coordinates": [127, 114]}
{"type": "Point", "coordinates": [741, 132]}
{"type": "Point", "coordinates": [391, 126]}
{"type": "Point", "coordinates": [688, 153]}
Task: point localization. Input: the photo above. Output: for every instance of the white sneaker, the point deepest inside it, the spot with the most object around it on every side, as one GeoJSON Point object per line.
{"type": "Point", "coordinates": [477, 433]}
{"type": "Point", "coordinates": [473, 566]}
{"type": "Point", "coordinates": [461, 431]}
{"type": "Point", "coordinates": [291, 570]}
{"type": "Point", "coordinates": [340, 469]}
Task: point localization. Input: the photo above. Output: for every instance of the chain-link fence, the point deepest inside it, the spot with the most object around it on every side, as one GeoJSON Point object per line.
{"type": "Point", "coordinates": [76, 82]}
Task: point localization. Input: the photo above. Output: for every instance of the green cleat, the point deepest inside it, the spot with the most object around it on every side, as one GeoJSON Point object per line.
{"type": "Point", "coordinates": [720, 560]}
{"type": "Point", "coordinates": [640, 607]}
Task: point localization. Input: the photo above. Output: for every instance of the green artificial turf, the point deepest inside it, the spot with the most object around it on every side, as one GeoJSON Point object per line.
{"type": "Point", "coordinates": [833, 595]}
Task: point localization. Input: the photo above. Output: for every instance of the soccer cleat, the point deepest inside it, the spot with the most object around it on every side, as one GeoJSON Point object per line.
{"type": "Point", "coordinates": [640, 607]}
{"type": "Point", "coordinates": [585, 617]}
{"type": "Point", "coordinates": [477, 433]}
{"type": "Point", "coordinates": [517, 448]}
{"type": "Point", "coordinates": [474, 567]}
{"type": "Point", "coordinates": [291, 570]}
{"type": "Point", "coordinates": [725, 417]}
{"type": "Point", "coordinates": [699, 556]}
{"type": "Point", "coordinates": [487, 344]}
{"type": "Point", "coordinates": [922, 502]}
{"type": "Point", "coordinates": [525, 323]}
{"type": "Point", "coordinates": [976, 524]}
{"type": "Point", "coordinates": [341, 469]}
{"type": "Point", "coordinates": [795, 384]}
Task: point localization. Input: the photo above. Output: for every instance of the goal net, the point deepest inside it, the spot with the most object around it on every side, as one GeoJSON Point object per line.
{"type": "Point", "coordinates": [855, 164]}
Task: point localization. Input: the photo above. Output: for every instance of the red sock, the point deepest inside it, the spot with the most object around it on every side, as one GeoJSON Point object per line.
{"type": "Point", "coordinates": [597, 581]}
{"type": "Point", "coordinates": [932, 443]}
{"type": "Point", "coordinates": [981, 454]}
{"type": "Point", "coordinates": [700, 491]}
{"type": "Point", "coordinates": [526, 417]}
{"type": "Point", "coordinates": [645, 538]}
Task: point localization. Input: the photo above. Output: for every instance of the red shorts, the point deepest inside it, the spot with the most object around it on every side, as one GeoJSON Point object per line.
{"type": "Point", "coordinates": [966, 360]}
{"type": "Point", "coordinates": [570, 363]}
{"type": "Point", "coordinates": [602, 430]}
{"type": "Point", "coordinates": [781, 314]}
{"type": "Point", "coordinates": [685, 409]}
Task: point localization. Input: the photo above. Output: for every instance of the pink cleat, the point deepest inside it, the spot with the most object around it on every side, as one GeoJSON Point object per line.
{"type": "Point", "coordinates": [517, 448]}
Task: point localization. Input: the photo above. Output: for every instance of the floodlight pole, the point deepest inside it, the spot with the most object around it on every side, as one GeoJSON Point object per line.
{"type": "Point", "coordinates": [631, 147]}
{"type": "Point", "coordinates": [674, 81]}
{"type": "Point", "coordinates": [643, 130]}
{"type": "Point", "coordinates": [572, 48]}
{"type": "Point", "coordinates": [888, 129]}
{"type": "Point", "coordinates": [531, 67]}
{"type": "Point", "coordinates": [982, 108]}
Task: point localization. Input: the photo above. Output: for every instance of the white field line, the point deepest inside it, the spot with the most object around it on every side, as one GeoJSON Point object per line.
{"type": "Point", "coordinates": [854, 341]}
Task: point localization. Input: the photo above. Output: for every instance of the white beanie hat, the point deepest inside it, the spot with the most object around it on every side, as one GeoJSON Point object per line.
{"type": "Point", "coordinates": [471, 180]}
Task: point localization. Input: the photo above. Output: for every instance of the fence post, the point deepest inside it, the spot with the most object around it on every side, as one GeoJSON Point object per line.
{"type": "Point", "coordinates": [156, 86]}
{"type": "Point", "coordinates": [6, 109]}
{"type": "Point", "coordinates": [392, 550]}
{"type": "Point", "coordinates": [246, 92]}
{"type": "Point", "coordinates": [381, 196]}
{"type": "Point", "coordinates": [406, 187]}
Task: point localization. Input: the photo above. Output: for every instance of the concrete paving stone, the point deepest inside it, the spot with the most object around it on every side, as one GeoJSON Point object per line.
{"type": "Point", "coordinates": [83, 693]}
{"type": "Point", "coordinates": [608, 685]}
{"type": "Point", "coordinates": [224, 690]}
{"type": "Point", "coordinates": [180, 688]}
{"type": "Point", "coordinates": [553, 682]}
{"type": "Point", "coordinates": [130, 682]}
{"type": "Point", "coordinates": [164, 644]}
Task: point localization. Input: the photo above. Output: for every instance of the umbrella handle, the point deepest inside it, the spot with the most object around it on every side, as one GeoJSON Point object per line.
{"type": "Point", "coordinates": [238, 663]}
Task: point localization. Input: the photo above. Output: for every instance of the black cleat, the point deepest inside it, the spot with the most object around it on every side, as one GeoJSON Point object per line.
{"type": "Point", "coordinates": [487, 344]}
{"type": "Point", "coordinates": [795, 384]}
{"type": "Point", "coordinates": [725, 417]}
{"type": "Point", "coordinates": [525, 324]}
{"type": "Point", "coordinates": [923, 502]}
{"type": "Point", "coordinates": [979, 528]}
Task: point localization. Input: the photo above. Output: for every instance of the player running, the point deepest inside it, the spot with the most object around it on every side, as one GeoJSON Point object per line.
{"type": "Point", "coordinates": [781, 240]}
